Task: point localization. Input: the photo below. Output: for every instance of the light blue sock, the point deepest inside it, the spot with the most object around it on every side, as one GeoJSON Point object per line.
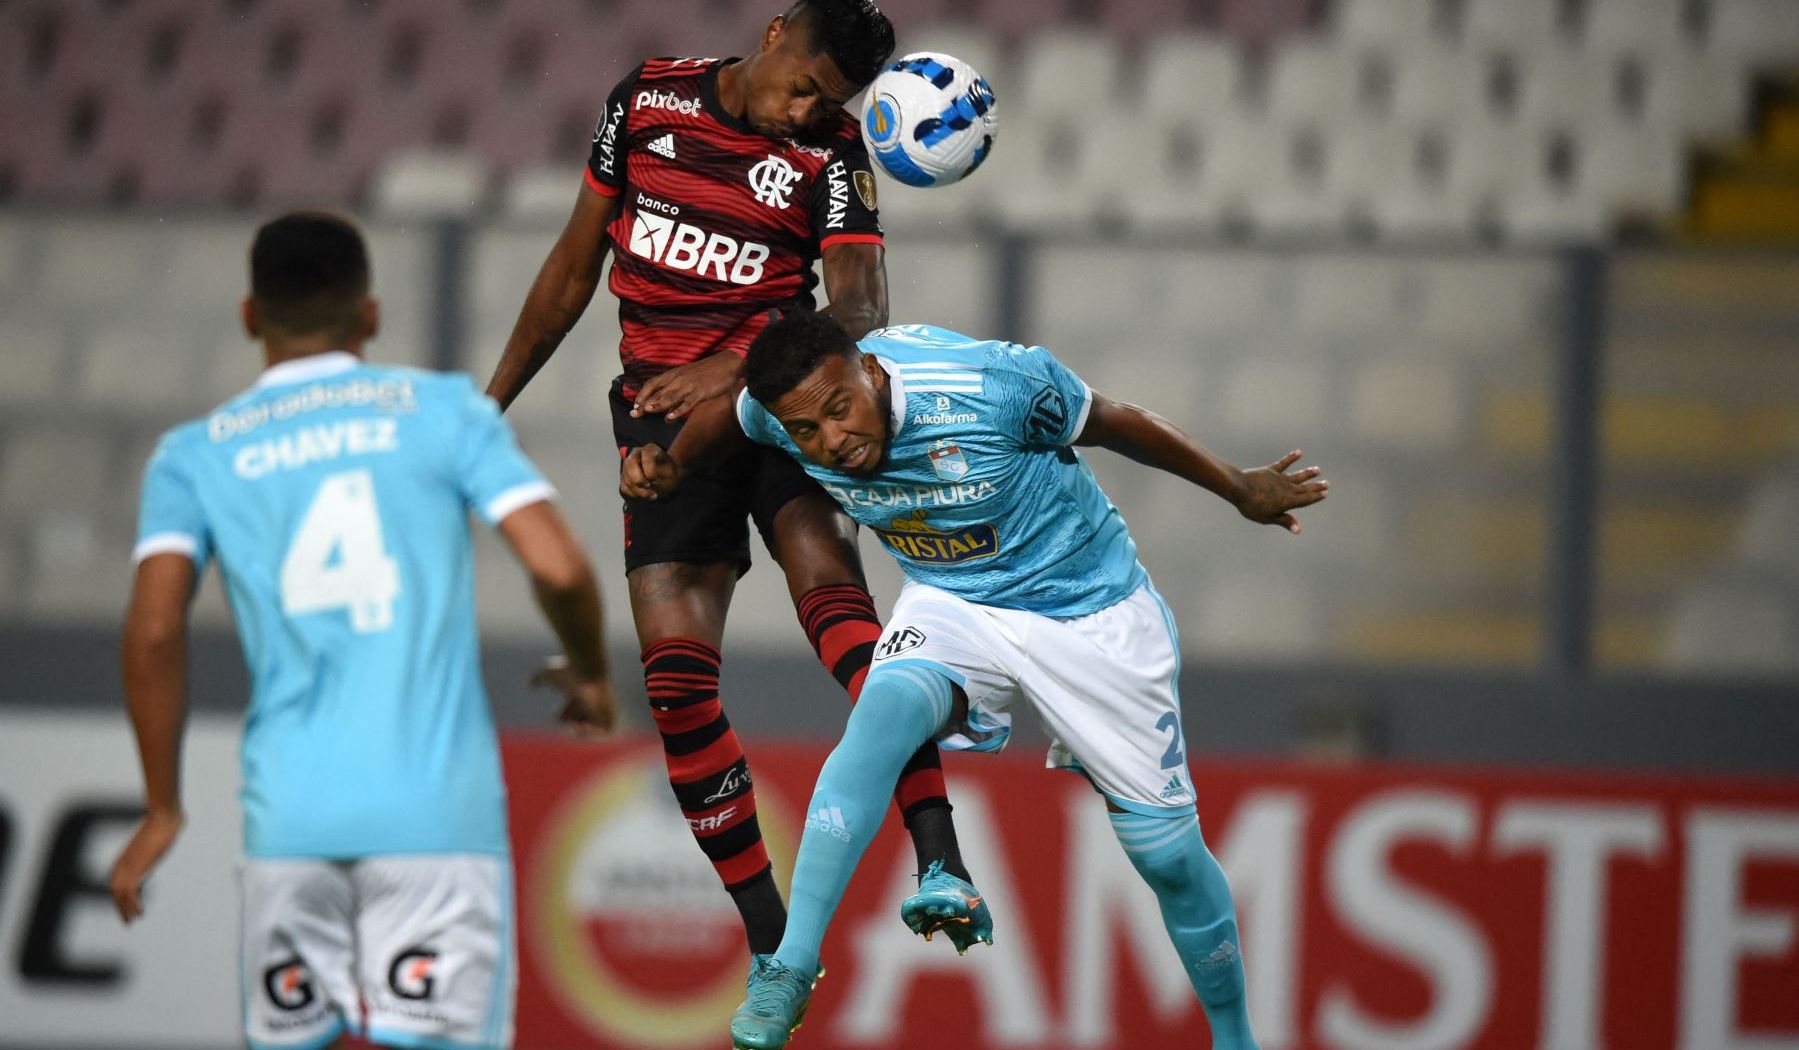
{"type": "Point", "coordinates": [1171, 855]}
{"type": "Point", "coordinates": [903, 705]}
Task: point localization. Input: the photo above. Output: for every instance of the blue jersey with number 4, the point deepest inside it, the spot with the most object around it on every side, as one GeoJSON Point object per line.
{"type": "Point", "coordinates": [335, 495]}
{"type": "Point", "coordinates": [981, 494]}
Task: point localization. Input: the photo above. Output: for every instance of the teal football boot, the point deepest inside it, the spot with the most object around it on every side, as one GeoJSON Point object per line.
{"type": "Point", "coordinates": [774, 1006]}
{"type": "Point", "coordinates": [944, 902]}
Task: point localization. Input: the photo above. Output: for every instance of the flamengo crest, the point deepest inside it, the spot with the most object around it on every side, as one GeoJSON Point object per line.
{"type": "Point", "coordinates": [773, 180]}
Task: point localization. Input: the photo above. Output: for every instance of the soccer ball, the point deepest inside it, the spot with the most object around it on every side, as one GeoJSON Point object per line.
{"type": "Point", "coordinates": [929, 119]}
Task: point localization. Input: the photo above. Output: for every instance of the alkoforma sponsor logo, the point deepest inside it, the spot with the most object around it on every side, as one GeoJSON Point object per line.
{"type": "Point", "coordinates": [681, 246]}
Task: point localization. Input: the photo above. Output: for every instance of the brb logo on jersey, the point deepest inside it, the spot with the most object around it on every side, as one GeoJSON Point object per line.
{"type": "Point", "coordinates": [679, 246]}
{"type": "Point", "coordinates": [911, 537]}
{"type": "Point", "coordinates": [773, 180]}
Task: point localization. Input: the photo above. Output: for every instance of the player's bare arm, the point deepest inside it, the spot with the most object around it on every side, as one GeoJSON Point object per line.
{"type": "Point", "coordinates": [154, 658]}
{"type": "Point", "coordinates": [710, 435]}
{"type": "Point", "coordinates": [564, 286]}
{"type": "Point", "coordinates": [1266, 495]}
{"type": "Point", "coordinates": [569, 596]}
{"type": "Point", "coordinates": [855, 280]}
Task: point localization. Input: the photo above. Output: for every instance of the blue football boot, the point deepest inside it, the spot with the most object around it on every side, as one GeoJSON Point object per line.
{"type": "Point", "coordinates": [774, 1006]}
{"type": "Point", "coordinates": [944, 902]}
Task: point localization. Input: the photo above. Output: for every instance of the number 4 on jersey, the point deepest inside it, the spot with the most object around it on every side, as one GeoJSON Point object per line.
{"type": "Point", "coordinates": [338, 559]}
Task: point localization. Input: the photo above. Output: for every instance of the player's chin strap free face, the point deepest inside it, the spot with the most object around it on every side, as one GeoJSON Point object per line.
{"type": "Point", "coordinates": [837, 414]}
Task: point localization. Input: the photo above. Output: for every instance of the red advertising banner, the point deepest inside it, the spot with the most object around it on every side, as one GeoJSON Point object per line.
{"type": "Point", "coordinates": [1381, 907]}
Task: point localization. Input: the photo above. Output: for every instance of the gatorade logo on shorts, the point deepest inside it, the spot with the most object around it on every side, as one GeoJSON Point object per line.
{"type": "Point", "coordinates": [412, 974]}
{"type": "Point", "coordinates": [289, 984]}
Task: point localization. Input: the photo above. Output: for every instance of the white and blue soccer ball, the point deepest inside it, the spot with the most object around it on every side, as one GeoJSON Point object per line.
{"type": "Point", "coordinates": [929, 119]}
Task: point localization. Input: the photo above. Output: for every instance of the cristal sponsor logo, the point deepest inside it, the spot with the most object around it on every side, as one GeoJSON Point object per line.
{"type": "Point", "coordinates": [912, 537]}
{"type": "Point", "coordinates": [898, 496]}
{"type": "Point", "coordinates": [837, 186]}
{"type": "Point", "coordinates": [682, 247]}
{"type": "Point", "coordinates": [713, 822]}
{"type": "Point", "coordinates": [412, 974]}
{"type": "Point", "coordinates": [772, 180]}
{"type": "Point", "coordinates": [903, 640]}
{"type": "Point", "coordinates": [735, 780]}
{"type": "Point", "coordinates": [289, 984]}
{"type": "Point", "coordinates": [829, 819]}
{"type": "Point", "coordinates": [606, 135]}
{"type": "Point", "coordinates": [652, 204]}
{"type": "Point", "coordinates": [654, 99]}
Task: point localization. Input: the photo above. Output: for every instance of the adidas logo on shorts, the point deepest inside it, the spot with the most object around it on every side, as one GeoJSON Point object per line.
{"type": "Point", "coordinates": [1175, 788]}
{"type": "Point", "coordinates": [664, 146]}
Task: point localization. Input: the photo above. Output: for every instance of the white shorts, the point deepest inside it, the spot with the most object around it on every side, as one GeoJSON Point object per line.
{"type": "Point", "coordinates": [408, 950]}
{"type": "Point", "coordinates": [1105, 685]}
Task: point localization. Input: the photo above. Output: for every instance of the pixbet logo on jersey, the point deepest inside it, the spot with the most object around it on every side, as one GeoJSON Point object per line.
{"type": "Point", "coordinates": [664, 100]}
{"type": "Point", "coordinates": [679, 246]}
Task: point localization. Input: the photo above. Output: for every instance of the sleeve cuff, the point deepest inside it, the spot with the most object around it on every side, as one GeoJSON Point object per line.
{"type": "Point", "coordinates": [851, 238]}
{"type": "Point", "coordinates": [743, 404]}
{"type": "Point", "coordinates": [594, 184]}
{"type": "Point", "coordinates": [516, 498]}
{"type": "Point", "coordinates": [166, 543]}
{"type": "Point", "coordinates": [1080, 418]}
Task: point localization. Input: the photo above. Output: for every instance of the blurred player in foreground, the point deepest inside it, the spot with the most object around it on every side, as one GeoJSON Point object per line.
{"type": "Point", "coordinates": [335, 495]}
{"type": "Point", "coordinates": [717, 184]}
{"type": "Point", "coordinates": [1022, 583]}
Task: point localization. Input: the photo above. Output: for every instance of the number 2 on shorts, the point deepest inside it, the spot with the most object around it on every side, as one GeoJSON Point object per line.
{"type": "Point", "coordinates": [1171, 723]}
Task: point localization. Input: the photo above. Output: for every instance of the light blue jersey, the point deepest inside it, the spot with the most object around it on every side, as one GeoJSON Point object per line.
{"type": "Point", "coordinates": [335, 496]}
{"type": "Point", "coordinates": [981, 494]}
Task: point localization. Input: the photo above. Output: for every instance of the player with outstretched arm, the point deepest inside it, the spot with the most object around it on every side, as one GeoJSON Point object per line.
{"type": "Point", "coordinates": [335, 495]}
{"type": "Point", "coordinates": [717, 184]}
{"type": "Point", "coordinates": [1022, 584]}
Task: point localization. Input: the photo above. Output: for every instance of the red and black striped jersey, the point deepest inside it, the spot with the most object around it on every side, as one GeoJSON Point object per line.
{"type": "Point", "coordinates": [718, 226]}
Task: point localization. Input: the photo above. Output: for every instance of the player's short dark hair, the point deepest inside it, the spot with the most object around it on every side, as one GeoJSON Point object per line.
{"type": "Point", "coordinates": [789, 349]}
{"type": "Point", "coordinates": [855, 33]}
{"type": "Point", "coordinates": [309, 272]}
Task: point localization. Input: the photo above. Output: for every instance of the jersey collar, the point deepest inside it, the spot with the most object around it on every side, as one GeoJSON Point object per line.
{"type": "Point", "coordinates": [896, 390]}
{"type": "Point", "coordinates": [312, 366]}
{"type": "Point", "coordinates": [709, 99]}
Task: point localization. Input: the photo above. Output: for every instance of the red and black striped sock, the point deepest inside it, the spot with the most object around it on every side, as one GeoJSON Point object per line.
{"type": "Point", "coordinates": [841, 624]}
{"type": "Point", "coordinates": [711, 779]}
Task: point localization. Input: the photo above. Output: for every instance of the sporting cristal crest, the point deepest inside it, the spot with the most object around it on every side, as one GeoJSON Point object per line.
{"type": "Point", "coordinates": [947, 461]}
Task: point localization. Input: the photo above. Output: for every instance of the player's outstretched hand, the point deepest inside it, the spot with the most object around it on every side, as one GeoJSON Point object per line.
{"type": "Point", "coordinates": [676, 391]}
{"type": "Point", "coordinates": [587, 707]}
{"type": "Point", "coordinates": [1268, 494]}
{"type": "Point", "coordinates": [153, 837]}
{"type": "Point", "coordinates": [648, 472]}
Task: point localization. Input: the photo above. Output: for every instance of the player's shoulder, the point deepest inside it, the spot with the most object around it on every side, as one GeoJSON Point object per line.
{"type": "Point", "coordinates": [674, 67]}
{"type": "Point", "coordinates": [913, 344]}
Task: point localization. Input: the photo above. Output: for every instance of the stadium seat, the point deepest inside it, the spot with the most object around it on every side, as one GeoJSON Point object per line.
{"type": "Point", "coordinates": [31, 358]}
{"type": "Point", "coordinates": [1435, 85]}
{"type": "Point", "coordinates": [1406, 404]}
{"type": "Point", "coordinates": [1385, 23]}
{"type": "Point", "coordinates": [36, 476]}
{"type": "Point", "coordinates": [137, 368]}
{"type": "Point", "coordinates": [1712, 98]}
{"type": "Point", "coordinates": [1167, 188]}
{"type": "Point", "coordinates": [1757, 31]}
{"type": "Point", "coordinates": [1561, 87]}
{"type": "Point", "coordinates": [1511, 24]}
{"type": "Point", "coordinates": [1312, 82]}
{"type": "Point", "coordinates": [1770, 521]}
{"type": "Point", "coordinates": [429, 184]}
{"type": "Point", "coordinates": [1739, 622]}
{"type": "Point", "coordinates": [1647, 27]}
{"type": "Point", "coordinates": [1066, 72]}
{"type": "Point", "coordinates": [1186, 75]}
{"type": "Point", "coordinates": [1142, 20]}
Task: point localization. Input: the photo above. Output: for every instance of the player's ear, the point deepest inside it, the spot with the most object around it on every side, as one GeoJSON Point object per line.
{"type": "Point", "coordinates": [252, 323]}
{"type": "Point", "coordinates": [872, 369]}
{"type": "Point", "coordinates": [772, 36]}
{"type": "Point", "coordinates": [371, 317]}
